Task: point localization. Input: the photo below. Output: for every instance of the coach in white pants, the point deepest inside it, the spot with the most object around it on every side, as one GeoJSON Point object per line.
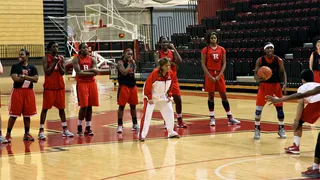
{"type": "Point", "coordinates": [157, 93]}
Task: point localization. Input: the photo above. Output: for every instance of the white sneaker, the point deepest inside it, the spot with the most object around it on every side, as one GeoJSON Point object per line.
{"type": "Point", "coordinates": [42, 136]}
{"type": "Point", "coordinates": [234, 121]}
{"type": "Point", "coordinates": [282, 133]}
{"type": "Point", "coordinates": [67, 133]}
{"type": "Point", "coordinates": [212, 122]}
{"type": "Point", "coordinates": [135, 127]}
{"type": "Point", "coordinates": [3, 140]}
{"type": "Point", "coordinates": [173, 134]}
{"type": "Point", "coordinates": [119, 129]}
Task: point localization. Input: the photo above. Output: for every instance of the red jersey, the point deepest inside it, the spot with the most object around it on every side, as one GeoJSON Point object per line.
{"type": "Point", "coordinates": [85, 64]}
{"type": "Point", "coordinates": [214, 57]}
{"type": "Point", "coordinates": [169, 54]}
{"type": "Point", "coordinates": [54, 81]}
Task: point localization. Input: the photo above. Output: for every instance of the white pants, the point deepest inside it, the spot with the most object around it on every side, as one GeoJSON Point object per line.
{"type": "Point", "coordinates": [166, 112]}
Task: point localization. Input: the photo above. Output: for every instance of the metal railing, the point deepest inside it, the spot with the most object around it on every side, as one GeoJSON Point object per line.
{"type": "Point", "coordinates": [12, 51]}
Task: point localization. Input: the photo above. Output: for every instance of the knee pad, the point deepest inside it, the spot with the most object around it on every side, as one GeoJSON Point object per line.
{"type": "Point", "coordinates": [121, 108]}
{"type": "Point", "coordinates": [280, 112]}
{"type": "Point", "coordinates": [133, 107]}
{"type": "Point", "coordinates": [258, 112]}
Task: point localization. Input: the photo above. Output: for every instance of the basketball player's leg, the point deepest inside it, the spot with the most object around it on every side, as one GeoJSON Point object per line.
{"type": "Point", "coordinates": [123, 97]}
{"type": "Point", "coordinates": [60, 104]}
{"type": "Point", "coordinates": [47, 102]}
{"type": "Point", "coordinates": [279, 107]}
{"type": "Point", "coordinates": [88, 131]}
{"type": "Point", "coordinates": [133, 101]}
{"type": "Point", "coordinates": [29, 109]}
{"type": "Point", "coordinates": [146, 119]}
{"type": "Point", "coordinates": [314, 170]}
{"type": "Point", "coordinates": [310, 115]}
{"type": "Point", "coordinates": [2, 139]}
{"type": "Point", "coordinates": [176, 94]}
{"type": "Point", "coordinates": [83, 100]}
{"type": "Point", "coordinates": [210, 88]}
{"type": "Point", "coordinates": [221, 88]}
{"type": "Point", "coordinates": [260, 102]}
{"type": "Point", "coordinates": [168, 115]}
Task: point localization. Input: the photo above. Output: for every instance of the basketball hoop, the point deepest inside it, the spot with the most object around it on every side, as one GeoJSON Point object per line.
{"type": "Point", "coordinates": [89, 26]}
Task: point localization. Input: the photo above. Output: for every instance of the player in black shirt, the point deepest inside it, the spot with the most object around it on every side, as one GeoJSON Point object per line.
{"type": "Point", "coordinates": [22, 99]}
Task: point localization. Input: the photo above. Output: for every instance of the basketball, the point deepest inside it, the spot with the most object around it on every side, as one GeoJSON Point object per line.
{"type": "Point", "coordinates": [265, 72]}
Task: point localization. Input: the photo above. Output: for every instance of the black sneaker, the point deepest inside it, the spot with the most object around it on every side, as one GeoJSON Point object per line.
{"type": "Point", "coordinates": [80, 133]}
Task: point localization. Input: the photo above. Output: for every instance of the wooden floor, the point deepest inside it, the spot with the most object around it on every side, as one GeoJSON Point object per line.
{"type": "Point", "coordinates": [203, 152]}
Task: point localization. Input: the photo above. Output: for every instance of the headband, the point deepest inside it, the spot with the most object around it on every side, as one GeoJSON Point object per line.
{"type": "Point", "coordinates": [268, 45]}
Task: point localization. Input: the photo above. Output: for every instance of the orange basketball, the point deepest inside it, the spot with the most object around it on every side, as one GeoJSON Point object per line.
{"type": "Point", "coordinates": [265, 72]}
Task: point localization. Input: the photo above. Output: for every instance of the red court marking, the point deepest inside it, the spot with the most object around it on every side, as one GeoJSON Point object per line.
{"type": "Point", "coordinates": [104, 126]}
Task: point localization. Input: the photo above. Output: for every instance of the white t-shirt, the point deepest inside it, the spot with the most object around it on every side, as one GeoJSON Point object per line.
{"type": "Point", "coordinates": [307, 87]}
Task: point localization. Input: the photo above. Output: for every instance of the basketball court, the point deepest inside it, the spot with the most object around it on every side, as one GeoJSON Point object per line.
{"type": "Point", "coordinates": [203, 152]}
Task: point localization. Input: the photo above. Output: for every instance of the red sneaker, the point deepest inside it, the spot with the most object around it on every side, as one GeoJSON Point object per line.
{"type": "Point", "coordinates": [28, 137]}
{"type": "Point", "coordinates": [313, 173]}
{"type": "Point", "coordinates": [181, 124]}
{"type": "Point", "coordinates": [8, 138]}
{"type": "Point", "coordinates": [292, 149]}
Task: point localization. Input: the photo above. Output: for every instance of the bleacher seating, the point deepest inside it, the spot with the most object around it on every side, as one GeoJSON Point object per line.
{"type": "Point", "coordinates": [244, 27]}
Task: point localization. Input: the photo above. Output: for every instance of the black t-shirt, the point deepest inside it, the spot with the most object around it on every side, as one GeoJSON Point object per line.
{"type": "Point", "coordinates": [19, 69]}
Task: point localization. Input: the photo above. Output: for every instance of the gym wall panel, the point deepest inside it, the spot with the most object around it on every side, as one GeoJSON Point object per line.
{"type": "Point", "coordinates": [21, 22]}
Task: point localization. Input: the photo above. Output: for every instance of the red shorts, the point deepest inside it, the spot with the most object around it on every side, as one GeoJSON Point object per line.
{"type": "Point", "coordinates": [316, 76]}
{"type": "Point", "coordinates": [87, 93]}
{"type": "Point", "coordinates": [176, 89]}
{"type": "Point", "coordinates": [219, 85]}
{"type": "Point", "coordinates": [311, 113]}
{"type": "Point", "coordinates": [54, 98]}
{"type": "Point", "coordinates": [22, 101]}
{"type": "Point", "coordinates": [268, 89]}
{"type": "Point", "coordinates": [128, 95]}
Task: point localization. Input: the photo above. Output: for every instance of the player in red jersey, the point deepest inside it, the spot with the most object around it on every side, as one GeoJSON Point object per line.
{"type": "Point", "coordinates": [54, 89]}
{"type": "Point", "coordinates": [175, 59]}
{"type": "Point", "coordinates": [87, 90]}
{"type": "Point", "coordinates": [22, 99]}
{"type": "Point", "coordinates": [214, 64]}
{"type": "Point", "coordinates": [270, 87]}
{"type": "Point", "coordinates": [127, 92]}
{"type": "Point", "coordinates": [2, 139]}
{"type": "Point", "coordinates": [315, 63]}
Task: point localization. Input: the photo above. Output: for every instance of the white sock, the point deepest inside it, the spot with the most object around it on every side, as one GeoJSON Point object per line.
{"type": "Point", "coordinates": [257, 123]}
{"type": "Point", "coordinates": [88, 123]}
{"type": "Point", "coordinates": [80, 122]}
{"type": "Point", "coordinates": [281, 122]}
{"type": "Point", "coordinates": [64, 124]}
{"type": "Point", "coordinates": [211, 113]}
{"type": "Point", "coordinates": [179, 115]}
{"type": "Point", "coordinates": [41, 125]}
{"type": "Point", "coordinates": [315, 166]}
{"type": "Point", "coordinates": [229, 113]}
{"type": "Point", "coordinates": [296, 140]}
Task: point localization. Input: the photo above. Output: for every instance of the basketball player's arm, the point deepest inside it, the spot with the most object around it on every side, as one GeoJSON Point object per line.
{"type": "Point", "coordinates": [61, 67]}
{"type": "Point", "coordinates": [224, 65]}
{"type": "Point", "coordinates": [204, 67]}
{"type": "Point", "coordinates": [15, 74]}
{"type": "Point", "coordinates": [48, 70]}
{"type": "Point", "coordinates": [148, 86]}
{"type": "Point", "coordinates": [124, 71]}
{"type": "Point", "coordinates": [176, 55]}
{"type": "Point", "coordinates": [1, 68]}
{"type": "Point", "coordinates": [311, 61]}
{"type": "Point", "coordinates": [34, 78]}
{"type": "Point", "coordinates": [295, 96]}
{"type": "Point", "coordinates": [258, 65]}
{"type": "Point", "coordinates": [156, 58]}
{"type": "Point", "coordinates": [298, 114]}
{"type": "Point", "coordinates": [79, 72]}
{"type": "Point", "coordinates": [283, 75]}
